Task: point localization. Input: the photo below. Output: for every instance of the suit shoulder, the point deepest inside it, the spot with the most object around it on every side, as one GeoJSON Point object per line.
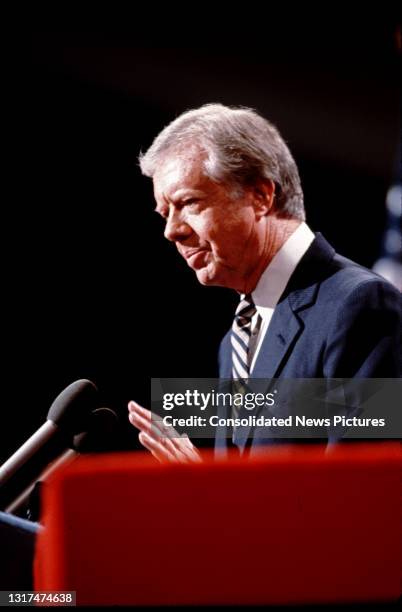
{"type": "Point", "coordinates": [349, 278]}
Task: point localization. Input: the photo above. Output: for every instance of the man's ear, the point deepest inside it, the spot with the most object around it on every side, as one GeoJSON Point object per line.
{"type": "Point", "coordinates": [264, 195]}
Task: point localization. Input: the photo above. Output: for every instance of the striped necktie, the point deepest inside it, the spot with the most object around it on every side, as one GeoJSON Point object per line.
{"type": "Point", "coordinates": [240, 337]}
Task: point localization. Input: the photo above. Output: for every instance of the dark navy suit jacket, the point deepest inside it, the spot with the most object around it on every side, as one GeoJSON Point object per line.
{"type": "Point", "coordinates": [335, 319]}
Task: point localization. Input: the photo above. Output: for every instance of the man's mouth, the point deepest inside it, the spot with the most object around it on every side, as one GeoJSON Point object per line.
{"type": "Point", "coordinates": [190, 252]}
{"type": "Point", "coordinates": [195, 257]}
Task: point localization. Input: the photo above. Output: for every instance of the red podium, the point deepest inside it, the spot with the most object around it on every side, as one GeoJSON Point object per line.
{"type": "Point", "coordinates": [295, 525]}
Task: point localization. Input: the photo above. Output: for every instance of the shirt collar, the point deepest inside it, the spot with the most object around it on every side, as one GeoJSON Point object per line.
{"type": "Point", "coordinates": [276, 275]}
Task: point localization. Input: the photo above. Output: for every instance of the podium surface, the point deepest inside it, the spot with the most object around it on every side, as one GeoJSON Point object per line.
{"type": "Point", "coordinates": [296, 525]}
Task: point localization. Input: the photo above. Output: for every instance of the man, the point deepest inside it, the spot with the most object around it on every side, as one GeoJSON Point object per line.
{"type": "Point", "coordinates": [229, 191]}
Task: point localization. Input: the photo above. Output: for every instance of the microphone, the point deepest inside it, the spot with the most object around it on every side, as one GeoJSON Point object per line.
{"type": "Point", "coordinates": [100, 437]}
{"type": "Point", "coordinates": [68, 415]}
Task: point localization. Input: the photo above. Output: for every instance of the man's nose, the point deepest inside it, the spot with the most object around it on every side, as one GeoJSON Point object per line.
{"type": "Point", "coordinates": [176, 228]}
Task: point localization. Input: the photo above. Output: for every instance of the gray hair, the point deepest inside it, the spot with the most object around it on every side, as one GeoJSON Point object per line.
{"type": "Point", "coordinates": [240, 146]}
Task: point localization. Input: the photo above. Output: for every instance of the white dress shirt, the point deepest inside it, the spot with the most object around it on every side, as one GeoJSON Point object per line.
{"type": "Point", "coordinates": [273, 282]}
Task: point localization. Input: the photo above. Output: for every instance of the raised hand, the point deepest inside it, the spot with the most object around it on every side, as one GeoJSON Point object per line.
{"type": "Point", "coordinates": [163, 441]}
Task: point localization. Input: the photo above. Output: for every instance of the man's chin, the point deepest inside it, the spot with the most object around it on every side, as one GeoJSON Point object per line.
{"type": "Point", "coordinates": [205, 276]}
{"type": "Point", "coordinates": [209, 277]}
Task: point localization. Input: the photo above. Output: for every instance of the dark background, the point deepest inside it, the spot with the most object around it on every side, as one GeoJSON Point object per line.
{"type": "Point", "coordinates": [90, 288]}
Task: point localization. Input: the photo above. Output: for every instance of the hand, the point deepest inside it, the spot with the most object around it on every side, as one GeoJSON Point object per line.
{"type": "Point", "coordinates": [164, 442]}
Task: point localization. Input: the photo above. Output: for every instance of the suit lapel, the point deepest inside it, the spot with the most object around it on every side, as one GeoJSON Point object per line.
{"type": "Point", "coordinates": [283, 331]}
{"type": "Point", "coordinates": [286, 326]}
{"type": "Point", "coordinates": [299, 294]}
{"type": "Point", "coordinates": [225, 365]}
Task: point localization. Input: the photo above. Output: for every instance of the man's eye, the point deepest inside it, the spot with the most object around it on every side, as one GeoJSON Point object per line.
{"type": "Point", "coordinates": [190, 201]}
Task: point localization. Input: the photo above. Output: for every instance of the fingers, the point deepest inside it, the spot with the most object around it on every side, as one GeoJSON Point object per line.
{"type": "Point", "coordinates": [143, 423]}
{"type": "Point", "coordinates": [188, 448]}
{"type": "Point", "coordinates": [164, 442]}
{"type": "Point", "coordinates": [149, 422]}
{"type": "Point", "coordinates": [158, 451]}
{"type": "Point", "coordinates": [150, 437]}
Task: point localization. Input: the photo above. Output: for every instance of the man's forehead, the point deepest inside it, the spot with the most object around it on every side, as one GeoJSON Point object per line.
{"type": "Point", "coordinates": [179, 172]}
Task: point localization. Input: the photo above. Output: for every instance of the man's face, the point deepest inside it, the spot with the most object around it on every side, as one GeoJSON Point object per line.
{"type": "Point", "coordinates": [213, 230]}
